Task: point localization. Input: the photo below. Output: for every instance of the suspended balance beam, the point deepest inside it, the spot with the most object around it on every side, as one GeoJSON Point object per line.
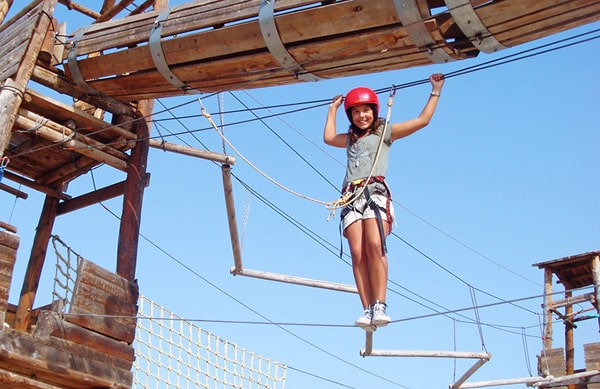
{"type": "Point", "coordinates": [482, 357]}
{"type": "Point", "coordinates": [238, 268]}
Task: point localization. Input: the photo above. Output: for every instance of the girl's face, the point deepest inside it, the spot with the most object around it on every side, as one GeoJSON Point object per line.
{"type": "Point", "coordinates": [362, 116]}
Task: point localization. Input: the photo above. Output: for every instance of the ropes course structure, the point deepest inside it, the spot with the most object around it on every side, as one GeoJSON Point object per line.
{"type": "Point", "coordinates": [48, 152]}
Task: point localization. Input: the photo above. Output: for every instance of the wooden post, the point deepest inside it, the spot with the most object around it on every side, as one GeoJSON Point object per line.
{"type": "Point", "coordinates": [36, 263]}
{"type": "Point", "coordinates": [596, 276]}
{"type": "Point", "coordinates": [547, 309]}
{"type": "Point", "coordinates": [12, 93]}
{"type": "Point", "coordinates": [134, 193]}
{"type": "Point", "coordinates": [4, 7]}
{"type": "Point", "coordinates": [569, 345]}
{"type": "Point", "coordinates": [129, 233]}
{"type": "Point", "coordinates": [231, 219]}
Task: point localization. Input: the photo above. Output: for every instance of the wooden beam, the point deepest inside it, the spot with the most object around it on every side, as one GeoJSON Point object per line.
{"type": "Point", "coordinates": [95, 197]}
{"type": "Point", "coordinates": [13, 191]}
{"type": "Point", "coordinates": [59, 133]}
{"type": "Point", "coordinates": [59, 83]}
{"type": "Point", "coordinates": [82, 119]}
{"type": "Point", "coordinates": [192, 152]}
{"type": "Point", "coordinates": [35, 264]}
{"type": "Point", "coordinates": [8, 227]}
{"type": "Point", "coordinates": [112, 12]}
{"type": "Point", "coordinates": [80, 8]}
{"type": "Point", "coordinates": [4, 8]}
{"type": "Point", "coordinates": [33, 185]}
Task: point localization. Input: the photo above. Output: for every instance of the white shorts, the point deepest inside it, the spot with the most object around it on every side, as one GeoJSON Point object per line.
{"type": "Point", "coordinates": [359, 209]}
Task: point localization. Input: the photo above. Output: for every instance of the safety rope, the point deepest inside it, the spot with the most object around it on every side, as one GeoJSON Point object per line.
{"type": "Point", "coordinates": [332, 206]}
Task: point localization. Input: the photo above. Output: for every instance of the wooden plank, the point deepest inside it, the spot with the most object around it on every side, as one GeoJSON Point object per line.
{"type": "Point", "coordinates": [14, 39]}
{"type": "Point", "coordinates": [516, 22]}
{"type": "Point", "coordinates": [21, 353]}
{"type": "Point", "coordinates": [115, 284]}
{"type": "Point", "coordinates": [82, 342]}
{"type": "Point", "coordinates": [321, 47]}
{"type": "Point", "coordinates": [99, 294]}
{"type": "Point", "coordinates": [115, 328]}
{"type": "Point", "coordinates": [224, 42]}
{"type": "Point", "coordinates": [9, 239]}
{"type": "Point", "coordinates": [22, 382]}
{"type": "Point", "coordinates": [183, 19]}
{"type": "Point", "coordinates": [92, 298]}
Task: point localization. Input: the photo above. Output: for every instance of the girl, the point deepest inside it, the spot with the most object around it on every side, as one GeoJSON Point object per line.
{"type": "Point", "coordinates": [366, 221]}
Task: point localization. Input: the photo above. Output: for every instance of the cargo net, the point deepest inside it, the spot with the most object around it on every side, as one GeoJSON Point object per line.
{"type": "Point", "coordinates": [67, 262]}
{"type": "Point", "coordinates": [171, 352]}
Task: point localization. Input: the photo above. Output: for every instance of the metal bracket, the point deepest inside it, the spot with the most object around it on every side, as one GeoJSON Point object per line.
{"type": "Point", "coordinates": [74, 66]}
{"type": "Point", "coordinates": [275, 45]}
{"type": "Point", "coordinates": [158, 55]}
{"type": "Point", "coordinates": [466, 18]}
{"type": "Point", "coordinates": [412, 21]}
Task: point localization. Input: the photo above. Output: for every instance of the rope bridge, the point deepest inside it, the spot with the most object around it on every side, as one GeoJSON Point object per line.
{"type": "Point", "coordinates": [171, 352]}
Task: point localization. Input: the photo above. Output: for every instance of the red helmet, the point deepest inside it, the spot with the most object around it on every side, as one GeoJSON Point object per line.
{"type": "Point", "coordinates": [358, 96]}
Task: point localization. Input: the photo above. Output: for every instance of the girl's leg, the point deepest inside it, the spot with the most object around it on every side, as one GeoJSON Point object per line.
{"type": "Point", "coordinates": [378, 268]}
{"type": "Point", "coordinates": [360, 266]}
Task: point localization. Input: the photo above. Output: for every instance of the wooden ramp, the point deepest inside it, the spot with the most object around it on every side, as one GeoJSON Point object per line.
{"type": "Point", "coordinates": [229, 45]}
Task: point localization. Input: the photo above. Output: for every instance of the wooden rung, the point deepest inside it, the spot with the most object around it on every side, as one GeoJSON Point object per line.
{"type": "Point", "coordinates": [426, 354]}
{"type": "Point", "coordinates": [541, 382]}
{"type": "Point", "coordinates": [482, 357]}
{"type": "Point", "coordinates": [294, 280]}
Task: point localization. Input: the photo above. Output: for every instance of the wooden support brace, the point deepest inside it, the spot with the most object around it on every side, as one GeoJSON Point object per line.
{"type": "Point", "coordinates": [192, 152]}
{"type": "Point", "coordinates": [482, 357]}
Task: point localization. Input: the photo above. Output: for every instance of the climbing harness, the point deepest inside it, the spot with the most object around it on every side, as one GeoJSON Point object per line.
{"type": "Point", "coordinates": [4, 161]}
{"type": "Point", "coordinates": [377, 209]}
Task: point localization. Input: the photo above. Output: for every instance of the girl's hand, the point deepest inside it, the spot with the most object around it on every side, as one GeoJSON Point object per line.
{"type": "Point", "coordinates": [337, 101]}
{"type": "Point", "coordinates": [437, 81]}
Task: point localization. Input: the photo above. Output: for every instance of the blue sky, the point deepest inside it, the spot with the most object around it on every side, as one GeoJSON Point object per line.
{"type": "Point", "coordinates": [504, 176]}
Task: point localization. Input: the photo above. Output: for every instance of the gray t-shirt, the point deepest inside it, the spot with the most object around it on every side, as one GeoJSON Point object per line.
{"type": "Point", "coordinates": [361, 155]}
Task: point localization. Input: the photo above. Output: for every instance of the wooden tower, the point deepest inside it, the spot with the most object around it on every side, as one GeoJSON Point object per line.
{"type": "Point", "coordinates": [573, 272]}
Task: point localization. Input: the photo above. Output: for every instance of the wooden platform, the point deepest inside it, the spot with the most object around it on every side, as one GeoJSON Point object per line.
{"type": "Point", "coordinates": [90, 346]}
{"type": "Point", "coordinates": [228, 45]}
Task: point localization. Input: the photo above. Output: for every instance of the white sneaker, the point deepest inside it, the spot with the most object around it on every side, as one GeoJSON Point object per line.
{"type": "Point", "coordinates": [364, 321]}
{"type": "Point", "coordinates": [379, 317]}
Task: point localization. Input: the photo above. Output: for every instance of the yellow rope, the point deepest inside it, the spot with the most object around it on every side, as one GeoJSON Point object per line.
{"type": "Point", "coordinates": [344, 200]}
